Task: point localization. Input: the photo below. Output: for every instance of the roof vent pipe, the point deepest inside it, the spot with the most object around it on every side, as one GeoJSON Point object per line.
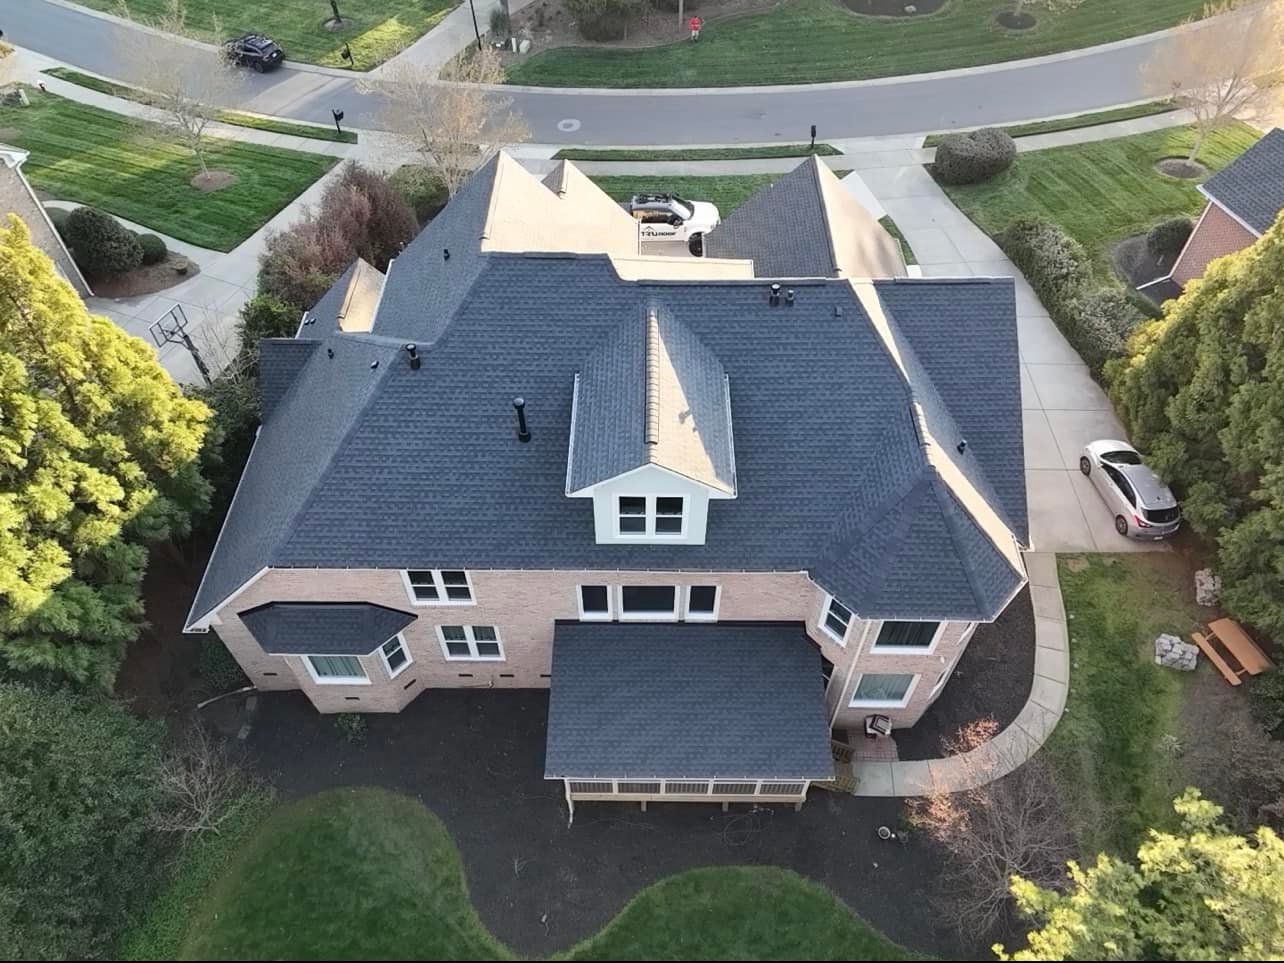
{"type": "Point", "coordinates": [523, 432]}
{"type": "Point", "coordinates": [961, 446]}
{"type": "Point", "coordinates": [445, 254]}
{"type": "Point", "coordinates": [413, 351]}
{"type": "Point", "coordinates": [789, 296]}
{"type": "Point", "coordinates": [774, 298]}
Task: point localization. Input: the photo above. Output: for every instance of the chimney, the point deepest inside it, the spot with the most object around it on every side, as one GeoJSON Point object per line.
{"type": "Point", "coordinates": [774, 298]}
{"type": "Point", "coordinates": [523, 433]}
{"type": "Point", "coordinates": [961, 446]}
{"type": "Point", "coordinates": [413, 351]}
{"type": "Point", "coordinates": [789, 297]}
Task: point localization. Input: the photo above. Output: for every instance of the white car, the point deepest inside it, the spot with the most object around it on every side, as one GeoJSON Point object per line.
{"type": "Point", "coordinates": [668, 217]}
{"type": "Point", "coordinates": [1142, 504]}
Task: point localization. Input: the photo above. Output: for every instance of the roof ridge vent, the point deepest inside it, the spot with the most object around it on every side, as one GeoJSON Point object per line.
{"type": "Point", "coordinates": [652, 378]}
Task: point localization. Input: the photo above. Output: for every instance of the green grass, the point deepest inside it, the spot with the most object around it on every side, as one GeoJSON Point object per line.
{"type": "Point", "coordinates": [727, 192]}
{"type": "Point", "coordinates": [1107, 748]}
{"type": "Point", "coordinates": [159, 934]}
{"type": "Point", "coordinates": [236, 118]}
{"type": "Point", "coordinates": [802, 41]}
{"type": "Point", "coordinates": [698, 153]}
{"type": "Point", "coordinates": [91, 156]}
{"type": "Point", "coordinates": [378, 28]}
{"type": "Point", "coordinates": [368, 874]}
{"type": "Point", "coordinates": [1093, 119]}
{"type": "Point", "coordinates": [1100, 192]}
{"type": "Point", "coordinates": [890, 227]}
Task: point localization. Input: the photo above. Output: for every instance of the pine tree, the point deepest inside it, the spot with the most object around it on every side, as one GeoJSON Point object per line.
{"type": "Point", "coordinates": [1202, 392]}
{"type": "Point", "coordinates": [97, 458]}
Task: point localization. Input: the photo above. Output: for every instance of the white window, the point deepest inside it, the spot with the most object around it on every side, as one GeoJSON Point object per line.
{"type": "Point", "coordinates": [395, 656]}
{"type": "Point", "coordinates": [595, 603]}
{"type": "Point", "coordinates": [651, 516]}
{"type": "Point", "coordinates": [883, 690]}
{"type": "Point", "coordinates": [336, 669]}
{"type": "Point", "coordinates": [909, 636]}
{"type": "Point", "coordinates": [702, 603]}
{"type": "Point", "coordinates": [835, 619]}
{"type": "Point", "coordinates": [470, 642]}
{"type": "Point", "coordinates": [438, 586]}
{"type": "Point", "coordinates": [654, 603]}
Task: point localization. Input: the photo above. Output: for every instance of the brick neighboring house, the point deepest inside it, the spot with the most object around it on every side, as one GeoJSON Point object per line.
{"type": "Point", "coordinates": [719, 513]}
{"type": "Point", "coordinates": [1244, 198]}
{"type": "Point", "coordinates": [20, 199]}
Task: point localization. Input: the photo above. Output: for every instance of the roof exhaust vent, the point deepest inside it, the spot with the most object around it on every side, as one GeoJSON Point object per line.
{"type": "Point", "coordinates": [373, 365]}
{"type": "Point", "coordinates": [329, 352]}
{"type": "Point", "coordinates": [523, 432]}
{"type": "Point", "coordinates": [789, 296]}
{"type": "Point", "coordinates": [445, 254]}
{"type": "Point", "coordinates": [413, 351]}
{"type": "Point", "coordinates": [961, 446]}
{"type": "Point", "coordinates": [774, 298]}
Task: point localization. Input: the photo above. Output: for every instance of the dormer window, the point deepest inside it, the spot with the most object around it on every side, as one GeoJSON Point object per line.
{"type": "Point", "coordinates": [652, 516]}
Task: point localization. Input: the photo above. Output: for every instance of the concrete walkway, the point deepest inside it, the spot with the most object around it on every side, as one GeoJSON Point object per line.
{"type": "Point", "coordinates": [1020, 740]}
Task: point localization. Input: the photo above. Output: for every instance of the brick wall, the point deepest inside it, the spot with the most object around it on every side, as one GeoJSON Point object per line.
{"type": "Point", "coordinates": [523, 606]}
{"type": "Point", "coordinates": [1216, 235]}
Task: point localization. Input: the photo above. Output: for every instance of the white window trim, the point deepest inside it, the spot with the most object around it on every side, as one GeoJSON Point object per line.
{"type": "Point", "coordinates": [854, 703]}
{"type": "Point", "coordinates": [650, 517]}
{"type": "Point", "coordinates": [472, 646]}
{"type": "Point", "coordinates": [648, 616]}
{"type": "Point", "coordinates": [824, 615]}
{"type": "Point", "coordinates": [689, 616]}
{"type": "Point", "coordinates": [440, 586]}
{"type": "Point", "coordinates": [336, 679]}
{"type": "Point", "coordinates": [929, 649]}
{"type": "Point", "coordinates": [606, 616]}
{"type": "Point", "coordinates": [405, 649]}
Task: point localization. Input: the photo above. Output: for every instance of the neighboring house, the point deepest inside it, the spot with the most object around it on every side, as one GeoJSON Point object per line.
{"type": "Point", "coordinates": [717, 515]}
{"type": "Point", "coordinates": [1244, 198]}
{"type": "Point", "coordinates": [20, 199]}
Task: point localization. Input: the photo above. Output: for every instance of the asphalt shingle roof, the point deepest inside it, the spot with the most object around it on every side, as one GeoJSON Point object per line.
{"type": "Point", "coordinates": [734, 700]}
{"type": "Point", "coordinates": [323, 628]}
{"type": "Point", "coordinates": [1252, 186]}
{"type": "Point", "coordinates": [280, 361]}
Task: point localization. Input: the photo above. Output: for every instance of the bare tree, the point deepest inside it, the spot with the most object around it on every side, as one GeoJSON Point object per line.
{"type": "Point", "coordinates": [457, 120]}
{"type": "Point", "coordinates": [1222, 68]}
{"type": "Point", "coordinates": [1005, 826]}
{"type": "Point", "coordinates": [188, 84]}
{"type": "Point", "coordinates": [202, 783]}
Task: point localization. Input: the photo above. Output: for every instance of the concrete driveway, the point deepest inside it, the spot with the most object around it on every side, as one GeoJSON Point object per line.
{"type": "Point", "coordinates": [1063, 407]}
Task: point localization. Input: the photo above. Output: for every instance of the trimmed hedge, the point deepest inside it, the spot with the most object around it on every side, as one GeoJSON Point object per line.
{"type": "Point", "coordinates": [154, 248]}
{"type": "Point", "coordinates": [58, 218]}
{"type": "Point", "coordinates": [1096, 321]}
{"type": "Point", "coordinates": [1167, 238]}
{"type": "Point", "coordinates": [973, 157]}
{"type": "Point", "coordinates": [101, 245]}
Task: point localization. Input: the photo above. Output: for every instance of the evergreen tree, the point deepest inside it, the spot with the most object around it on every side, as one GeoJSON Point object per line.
{"type": "Point", "coordinates": [1200, 894]}
{"type": "Point", "coordinates": [97, 458]}
{"type": "Point", "coordinates": [1202, 391]}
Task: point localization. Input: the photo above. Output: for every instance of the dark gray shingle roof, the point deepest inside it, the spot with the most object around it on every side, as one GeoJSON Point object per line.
{"type": "Point", "coordinates": [280, 361]}
{"type": "Point", "coordinates": [323, 316]}
{"type": "Point", "coordinates": [1252, 186]}
{"type": "Point", "coordinates": [740, 700]}
{"type": "Point", "coordinates": [323, 628]}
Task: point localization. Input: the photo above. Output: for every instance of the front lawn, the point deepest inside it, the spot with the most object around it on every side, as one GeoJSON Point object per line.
{"type": "Point", "coordinates": [1114, 750]}
{"type": "Point", "coordinates": [91, 156]}
{"type": "Point", "coordinates": [368, 874]}
{"type": "Point", "coordinates": [727, 192]}
{"type": "Point", "coordinates": [376, 29]}
{"type": "Point", "coordinates": [807, 41]}
{"type": "Point", "coordinates": [1100, 192]}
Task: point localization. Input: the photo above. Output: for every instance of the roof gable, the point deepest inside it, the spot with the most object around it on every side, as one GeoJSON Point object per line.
{"type": "Point", "coordinates": [1251, 187]}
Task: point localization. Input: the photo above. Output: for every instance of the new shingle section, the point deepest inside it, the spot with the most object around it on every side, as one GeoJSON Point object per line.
{"type": "Point", "coordinates": [323, 628]}
{"type": "Point", "coordinates": [323, 317]}
{"type": "Point", "coordinates": [652, 394]}
{"type": "Point", "coordinates": [735, 700]}
{"type": "Point", "coordinates": [280, 361]}
{"type": "Point", "coordinates": [1252, 186]}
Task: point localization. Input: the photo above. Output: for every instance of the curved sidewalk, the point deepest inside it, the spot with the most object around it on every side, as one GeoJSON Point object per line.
{"type": "Point", "coordinates": [1027, 733]}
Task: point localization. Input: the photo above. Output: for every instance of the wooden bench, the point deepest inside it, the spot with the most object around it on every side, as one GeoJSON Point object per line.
{"type": "Point", "coordinates": [1215, 658]}
{"type": "Point", "coordinates": [1236, 641]}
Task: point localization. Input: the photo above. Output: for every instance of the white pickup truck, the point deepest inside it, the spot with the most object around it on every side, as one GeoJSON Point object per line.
{"type": "Point", "coordinates": [670, 218]}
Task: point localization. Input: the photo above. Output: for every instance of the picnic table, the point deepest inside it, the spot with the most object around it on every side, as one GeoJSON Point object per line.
{"type": "Point", "coordinates": [1243, 656]}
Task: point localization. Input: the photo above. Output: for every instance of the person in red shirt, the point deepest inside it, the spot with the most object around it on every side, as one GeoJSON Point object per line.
{"type": "Point", "coordinates": [695, 23]}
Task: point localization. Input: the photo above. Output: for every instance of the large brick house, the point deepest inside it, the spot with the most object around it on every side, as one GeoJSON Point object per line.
{"type": "Point", "coordinates": [717, 513]}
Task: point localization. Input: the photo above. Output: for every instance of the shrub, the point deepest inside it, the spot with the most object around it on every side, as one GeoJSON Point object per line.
{"type": "Point", "coordinates": [58, 218]}
{"type": "Point", "coordinates": [601, 20]}
{"type": "Point", "coordinates": [218, 670]}
{"type": "Point", "coordinates": [1167, 238]}
{"type": "Point", "coordinates": [154, 249]}
{"type": "Point", "coordinates": [671, 6]}
{"type": "Point", "coordinates": [352, 725]}
{"type": "Point", "coordinates": [79, 797]}
{"type": "Point", "coordinates": [1266, 698]}
{"type": "Point", "coordinates": [266, 316]}
{"type": "Point", "coordinates": [101, 245]}
{"type": "Point", "coordinates": [973, 157]}
{"type": "Point", "coordinates": [1101, 322]}
{"type": "Point", "coordinates": [501, 27]}
{"type": "Point", "coordinates": [421, 188]}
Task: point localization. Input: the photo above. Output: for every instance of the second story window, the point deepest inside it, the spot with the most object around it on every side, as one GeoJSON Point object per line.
{"type": "Point", "coordinates": [654, 516]}
{"type": "Point", "coordinates": [438, 586]}
{"type": "Point", "coordinates": [836, 619]}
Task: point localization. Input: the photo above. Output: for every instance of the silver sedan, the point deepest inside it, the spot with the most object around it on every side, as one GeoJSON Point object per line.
{"type": "Point", "coordinates": [1143, 506]}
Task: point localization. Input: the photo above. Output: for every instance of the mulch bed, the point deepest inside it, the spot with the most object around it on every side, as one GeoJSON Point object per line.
{"type": "Point", "coordinates": [992, 679]}
{"type": "Point", "coordinates": [894, 8]}
{"type": "Point", "coordinates": [1181, 168]}
{"type": "Point", "coordinates": [145, 280]}
{"type": "Point", "coordinates": [476, 758]}
{"type": "Point", "coordinates": [1015, 21]}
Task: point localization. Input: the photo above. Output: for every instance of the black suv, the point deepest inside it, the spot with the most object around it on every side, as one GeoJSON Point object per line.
{"type": "Point", "coordinates": [253, 50]}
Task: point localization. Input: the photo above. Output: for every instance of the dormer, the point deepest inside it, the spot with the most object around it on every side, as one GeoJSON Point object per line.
{"type": "Point", "coordinates": [651, 439]}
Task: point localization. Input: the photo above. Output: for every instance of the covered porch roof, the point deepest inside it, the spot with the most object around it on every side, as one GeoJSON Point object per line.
{"type": "Point", "coordinates": [730, 700]}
